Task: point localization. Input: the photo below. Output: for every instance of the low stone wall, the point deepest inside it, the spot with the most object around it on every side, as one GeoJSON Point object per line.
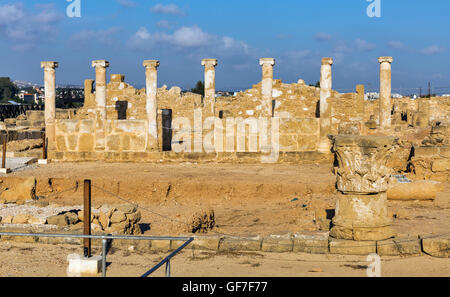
{"type": "Point", "coordinates": [308, 157]}
{"type": "Point", "coordinates": [431, 162]}
{"type": "Point", "coordinates": [311, 243]}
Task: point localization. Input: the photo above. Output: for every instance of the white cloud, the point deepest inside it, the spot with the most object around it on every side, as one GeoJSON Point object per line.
{"type": "Point", "coordinates": [126, 3]}
{"type": "Point", "coordinates": [321, 36]}
{"type": "Point", "coordinates": [24, 29]}
{"type": "Point", "coordinates": [364, 46]}
{"type": "Point", "coordinates": [396, 44]}
{"type": "Point", "coordinates": [163, 24]}
{"type": "Point", "coordinates": [184, 37]}
{"type": "Point", "coordinates": [105, 36]}
{"type": "Point", "coordinates": [433, 50]}
{"type": "Point", "coordinates": [167, 9]}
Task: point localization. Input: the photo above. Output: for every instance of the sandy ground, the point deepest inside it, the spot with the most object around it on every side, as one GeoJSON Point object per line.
{"type": "Point", "coordinates": [25, 259]}
{"type": "Point", "coordinates": [248, 199]}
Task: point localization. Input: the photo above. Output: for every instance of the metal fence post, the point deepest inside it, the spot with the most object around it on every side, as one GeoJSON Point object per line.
{"type": "Point", "coordinates": [168, 269]}
{"type": "Point", "coordinates": [104, 241]}
{"type": "Point", "coordinates": [5, 140]}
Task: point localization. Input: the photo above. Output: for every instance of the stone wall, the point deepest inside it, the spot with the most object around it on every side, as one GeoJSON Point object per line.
{"type": "Point", "coordinates": [126, 134]}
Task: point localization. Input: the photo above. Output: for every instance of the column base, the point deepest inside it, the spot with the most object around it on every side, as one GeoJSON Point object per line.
{"type": "Point", "coordinates": [362, 217]}
{"type": "Point", "coordinates": [362, 234]}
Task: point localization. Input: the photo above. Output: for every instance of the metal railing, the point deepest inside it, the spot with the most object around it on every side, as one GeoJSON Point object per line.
{"type": "Point", "coordinates": [105, 239]}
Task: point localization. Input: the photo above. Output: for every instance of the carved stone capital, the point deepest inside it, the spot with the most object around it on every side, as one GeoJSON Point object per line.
{"type": "Point", "coordinates": [49, 64]}
{"type": "Point", "coordinates": [362, 163]}
{"type": "Point", "coordinates": [327, 61]}
{"type": "Point", "coordinates": [151, 64]}
{"type": "Point", "coordinates": [267, 61]}
{"type": "Point", "coordinates": [209, 62]}
{"type": "Point", "coordinates": [100, 63]}
{"type": "Point", "coordinates": [385, 59]}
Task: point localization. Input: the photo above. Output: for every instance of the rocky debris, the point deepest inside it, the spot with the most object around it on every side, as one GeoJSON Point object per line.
{"type": "Point", "coordinates": [199, 221]}
{"type": "Point", "coordinates": [21, 192]}
{"type": "Point", "coordinates": [23, 145]}
{"type": "Point", "coordinates": [58, 220]}
{"type": "Point", "coordinates": [438, 136]}
{"type": "Point", "coordinates": [21, 219]}
{"type": "Point", "coordinates": [123, 219]}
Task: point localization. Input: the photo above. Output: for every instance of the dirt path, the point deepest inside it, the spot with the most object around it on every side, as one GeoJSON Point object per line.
{"type": "Point", "coordinates": [25, 259]}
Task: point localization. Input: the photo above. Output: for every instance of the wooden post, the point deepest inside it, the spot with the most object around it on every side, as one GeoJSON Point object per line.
{"type": "Point", "coordinates": [44, 147]}
{"type": "Point", "coordinates": [5, 140]}
{"type": "Point", "coordinates": [87, 218]}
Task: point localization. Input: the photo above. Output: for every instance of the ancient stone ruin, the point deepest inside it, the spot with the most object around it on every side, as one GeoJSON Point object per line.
{"type": "Point", "coordinates": [362, 182]}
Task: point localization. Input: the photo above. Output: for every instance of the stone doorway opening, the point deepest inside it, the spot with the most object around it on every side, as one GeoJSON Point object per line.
{"type": "Point", "coordinates": [167, 130]}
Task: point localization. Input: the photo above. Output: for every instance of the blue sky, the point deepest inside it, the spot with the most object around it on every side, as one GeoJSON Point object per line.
{"type": "Point", "coordinates": [297, 33]}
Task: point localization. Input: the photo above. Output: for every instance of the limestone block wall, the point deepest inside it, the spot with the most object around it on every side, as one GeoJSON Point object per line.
{"type": "Point", "coordinates": [75, 135]}
{"type": "Point", "coordinates": [126, 136]}
{"type": "Point", "coordinates": [431, 162]}
{"type": "Point", "coordinates": [121, 136]}
{"type": "Point", "coordinates": [344, 110]}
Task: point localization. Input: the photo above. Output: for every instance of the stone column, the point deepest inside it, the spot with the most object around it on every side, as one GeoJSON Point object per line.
{"type": "Point", "coordinates": [360, 100]}
{"type": "Point", "coordinates": [325, 108]}
{"type": "Point", "coordinates": [385, 92]}
{"type": "Point", "coordinates": [266, 86]}
{"type": "Point", "coordinates": [210, 86]}
{"type": "Point", "coordinates": [362, 181]}
{"type": "Point", "coordinates": [50, 101]}
{"type": "Point", "coordinates": [100, 102]}
{"type": "Point", "coordinates": [151, 104]}
{"type": "Point", "coordinates": [423, 113]}
{"type": "Point", "coordinates": [100, 86]}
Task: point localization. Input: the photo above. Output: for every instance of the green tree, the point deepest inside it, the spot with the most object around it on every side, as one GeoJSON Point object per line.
{"type": "Point", "coordinates": [199, 88]}
{"type": "Point", "coordinates": [317, 85]}
{"type": "Point", "coordinates": [8, 89]}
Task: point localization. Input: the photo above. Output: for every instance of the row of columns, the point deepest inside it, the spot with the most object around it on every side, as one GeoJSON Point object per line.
{"type": "Point", "coordinates": [267, 65]}
{"type": "Point", "coordinates": [325, 93]}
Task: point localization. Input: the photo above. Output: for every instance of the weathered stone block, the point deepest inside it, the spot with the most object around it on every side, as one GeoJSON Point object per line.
{"type": "Point", "coordinates": [426, 151]}
{"type": "Point", "coordinates": [437, 246]}
{"type": "Point", "coordinates": [399, 246]}
{"type": "Point", "coordinates": [440, 165]}
{"type": "Point", "coordinates": [350, 247]}
{"type": "Point", "coordinates": [208, 243]}
{"type": "Point", "coordinates": [277, 244]}
{"type": "Point", "coordinates": [86, 142]}
{"type": "Point", "coordinates": [311, 243]}
{"type": "Point", "coordinates": [240, 244]}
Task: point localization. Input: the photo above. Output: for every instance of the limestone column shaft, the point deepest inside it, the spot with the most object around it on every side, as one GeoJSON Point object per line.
{"type": "Point", "coordinates": [100, 102]}
{"type": "Point", "coordinates": [210, 86]}
{"type": "Point", "coordinates": [325, 108]}
{"type": "Point", "coordinates": [385, 92]}
{"type": "Point", "coordinates": [100, 86]}
{"type": "Point", "coordinates": [151, 104]}
{"type": "Point", "coordinates": [50, 101]}
{"type": "Point", "coordinates": [266, 86]}
{"type": "Point", "coordinates": [360, 105]}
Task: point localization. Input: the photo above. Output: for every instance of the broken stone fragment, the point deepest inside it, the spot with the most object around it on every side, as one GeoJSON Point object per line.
{"type": "Point", "coordinates": [72, 217]}
{"type": "Point", "coordinates": [127, 208]}
{"type": "Point", "coordinates": [58, 220]}
{"type": "Point", "coordinates": [21, 192]}
{"type": "Point", "coordinates": [21, 219]}
{"type": "Point", "coordinates": [118, 217]}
